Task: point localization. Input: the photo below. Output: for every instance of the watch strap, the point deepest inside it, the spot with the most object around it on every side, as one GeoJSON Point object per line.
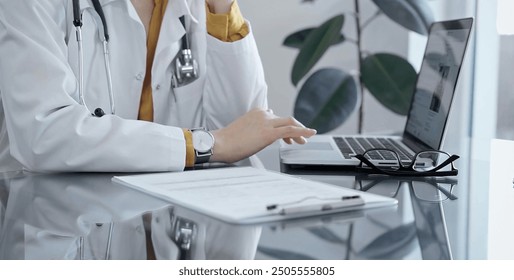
{"type": "Point", "coordinates": [202, 157]}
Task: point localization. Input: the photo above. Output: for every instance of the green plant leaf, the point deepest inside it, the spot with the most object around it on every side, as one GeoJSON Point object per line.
{"type": "Point", "coordinates": [390, 79]}
{"type": "Point", "coordinates": [297, 39]}
{"type": "Point", "coordinates": [326, 99]}
{"type": "Point", "coordinates": [315, 45]}
{"type": "Point", "coordinates": [414, 15]}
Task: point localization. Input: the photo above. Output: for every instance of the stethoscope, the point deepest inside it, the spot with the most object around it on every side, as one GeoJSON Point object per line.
{"type": "Point", "coordinates": [186, 67]}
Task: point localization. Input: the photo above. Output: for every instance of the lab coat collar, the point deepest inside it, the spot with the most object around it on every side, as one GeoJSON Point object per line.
{"type": "Point", "coordinates": [88, 3]}
{"type": "Point", "coordinates": [105, 2]}
{"type": "Point", "coordinates": [171, 25]}
{"type": "Point", "coordinates": [182, 7]}
{"type": "Point", "coordinates": [176, 8]}
{"type": "Point", "coordinates": [171, 28]}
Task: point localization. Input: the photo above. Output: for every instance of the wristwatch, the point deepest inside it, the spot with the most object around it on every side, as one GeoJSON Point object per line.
{"type": "Point", "coordinates": [203, 143]}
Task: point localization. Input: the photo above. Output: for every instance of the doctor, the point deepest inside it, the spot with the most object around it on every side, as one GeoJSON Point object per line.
{"type": "Point", "coordinates": [47, 120]}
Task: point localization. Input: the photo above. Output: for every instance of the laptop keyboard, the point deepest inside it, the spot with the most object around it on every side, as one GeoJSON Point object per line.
{"type": "Point", "coordinates": [350, 146]}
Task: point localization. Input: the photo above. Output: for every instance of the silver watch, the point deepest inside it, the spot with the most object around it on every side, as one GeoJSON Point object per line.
{"type": "Point", "coordinates": [203, 143]}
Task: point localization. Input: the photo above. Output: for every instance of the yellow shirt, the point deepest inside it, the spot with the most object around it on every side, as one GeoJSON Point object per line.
{"type": "Point", "coordinates": [225, 27]}
{"type": "Point", "coordinates": [146, 103]}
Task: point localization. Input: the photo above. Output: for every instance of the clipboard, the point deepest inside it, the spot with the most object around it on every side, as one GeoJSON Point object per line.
{"type": "Point", "coordinates": [247, 195]}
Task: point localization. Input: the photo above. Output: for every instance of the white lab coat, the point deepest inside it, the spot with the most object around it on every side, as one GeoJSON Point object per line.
{"type": "Point", "coordinates": [42, 126]}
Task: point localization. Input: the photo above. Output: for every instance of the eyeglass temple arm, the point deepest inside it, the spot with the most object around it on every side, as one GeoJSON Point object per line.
{"type": "Point", "coordinates": [371, 184]}
{"type": "Point", "coordinates": [445, 192]}
{"type": "Point", "coordinates": [363, 159]}
{"type": "Point", "coordinates": [450, 160]}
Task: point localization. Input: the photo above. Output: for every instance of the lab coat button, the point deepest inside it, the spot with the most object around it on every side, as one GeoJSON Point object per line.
{"type": "Point", "coordinates": [139, 76]}
{"type": "Point", "coordinates": [157, 87]}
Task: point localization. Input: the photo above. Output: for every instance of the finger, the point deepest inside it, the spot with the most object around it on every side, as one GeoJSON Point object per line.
{"type": "Point", "coordinates": [300, 140]}
{"type": "Point", "coordinates": [293, 132]}
{"type": "Point", "coordinates": [288, 140]}
{"type": "Point", "coordinates": [290, 121]}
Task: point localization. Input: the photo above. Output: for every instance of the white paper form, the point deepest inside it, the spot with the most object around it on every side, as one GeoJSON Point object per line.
{"type": "Point", "coordinates": [242, 194]}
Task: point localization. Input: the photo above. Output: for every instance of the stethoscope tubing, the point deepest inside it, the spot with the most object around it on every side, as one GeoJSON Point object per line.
{"type": "Point", "coordinates": [77, 15]}
{"type": "Point", "coordinates": [109, 76]}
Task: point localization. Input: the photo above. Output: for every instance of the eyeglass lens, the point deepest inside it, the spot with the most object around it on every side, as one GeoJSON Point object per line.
{"type": "Point", "coordinates": [425, 191]}
{"type": "Point", "coordinates": [431, 192]}
{"type": "Point", "coordinates": [386, 160]}
{"type": "Point", "coordinates": [426, 161]}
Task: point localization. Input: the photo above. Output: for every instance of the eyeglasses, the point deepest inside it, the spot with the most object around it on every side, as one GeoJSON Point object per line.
{"type": "Point", "coordinates": [425, 163]}
{"type": "Point", "coordinates": [431, 189]}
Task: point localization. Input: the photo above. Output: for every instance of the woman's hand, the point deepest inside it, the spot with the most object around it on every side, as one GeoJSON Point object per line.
{"type": "Point", "coordinates": [253, 132]}
{"type": "Point", "coordinates": [219, 6]}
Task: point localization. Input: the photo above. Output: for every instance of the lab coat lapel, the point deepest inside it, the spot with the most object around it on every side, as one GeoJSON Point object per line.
{"type": "Point", "coordinates": [128, 5]}
{"type": "Point", "coordinates": [88, 3]}
{"type": "Point", "coordinates": [171, 34]}
{"type": "Point", "coordinates": [105, 2]}
{"type": "Point", "coordinates": [84, 4]}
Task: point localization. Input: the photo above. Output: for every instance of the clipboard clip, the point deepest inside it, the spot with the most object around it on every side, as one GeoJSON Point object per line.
{"type": "Point", "coordinates": [293, 208]}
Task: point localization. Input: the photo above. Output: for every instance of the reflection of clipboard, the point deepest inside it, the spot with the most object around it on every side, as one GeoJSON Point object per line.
{"type": "Point", "coordinates": [245, 195]}
{"type": "Point", "coordinates": [317, 221]}
{"type": "Point", "coordinates": [329, 234]}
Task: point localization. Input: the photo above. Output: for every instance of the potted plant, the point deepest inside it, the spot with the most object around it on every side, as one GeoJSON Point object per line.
{"type": "Point", "coordinates": [328, 96]}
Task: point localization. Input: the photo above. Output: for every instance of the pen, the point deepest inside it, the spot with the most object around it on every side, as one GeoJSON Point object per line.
{"type": "Point", "coordinates": [346, 201]}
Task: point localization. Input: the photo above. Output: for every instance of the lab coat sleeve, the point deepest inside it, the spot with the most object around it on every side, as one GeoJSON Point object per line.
{"type": "Point", "coordinates": [235, 81]}
{"type": "Point", "coordinates": [50, 131]}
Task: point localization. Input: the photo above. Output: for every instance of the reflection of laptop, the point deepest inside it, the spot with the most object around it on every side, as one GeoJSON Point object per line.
{"type": "Point", "coordinates": [428, 112]}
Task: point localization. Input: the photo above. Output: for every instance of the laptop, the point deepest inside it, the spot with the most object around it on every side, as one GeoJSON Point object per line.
{"type": "Point", "coordinates": [428, 112]}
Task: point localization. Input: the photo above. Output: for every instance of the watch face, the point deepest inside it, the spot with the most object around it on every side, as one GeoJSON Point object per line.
{"type": "Point", "coordinates": [202, 141]}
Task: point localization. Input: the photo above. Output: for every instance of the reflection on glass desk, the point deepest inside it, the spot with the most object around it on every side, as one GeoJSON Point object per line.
{"type": "Point", "coordinates": [414, 230]}
{"type": "Point", "coordinates": [86, 216]}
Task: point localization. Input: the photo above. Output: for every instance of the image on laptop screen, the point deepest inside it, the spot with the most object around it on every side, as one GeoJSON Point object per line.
{"type": "Point", "coordinates": [436, 83]}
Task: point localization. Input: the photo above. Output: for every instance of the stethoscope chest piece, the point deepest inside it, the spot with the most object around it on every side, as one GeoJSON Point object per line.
{"type": "Point", "coordinates": [186, 69]}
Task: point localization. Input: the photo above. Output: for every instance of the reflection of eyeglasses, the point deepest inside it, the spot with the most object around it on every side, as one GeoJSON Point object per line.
{"type": "Point", "coordinates": [426, 189]}
{"type": "Point", "coordinates": [426, 163]}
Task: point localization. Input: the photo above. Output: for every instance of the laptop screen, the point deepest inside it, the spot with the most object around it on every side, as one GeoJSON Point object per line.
{"type": "Point", "coordinates": [436, 82]}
